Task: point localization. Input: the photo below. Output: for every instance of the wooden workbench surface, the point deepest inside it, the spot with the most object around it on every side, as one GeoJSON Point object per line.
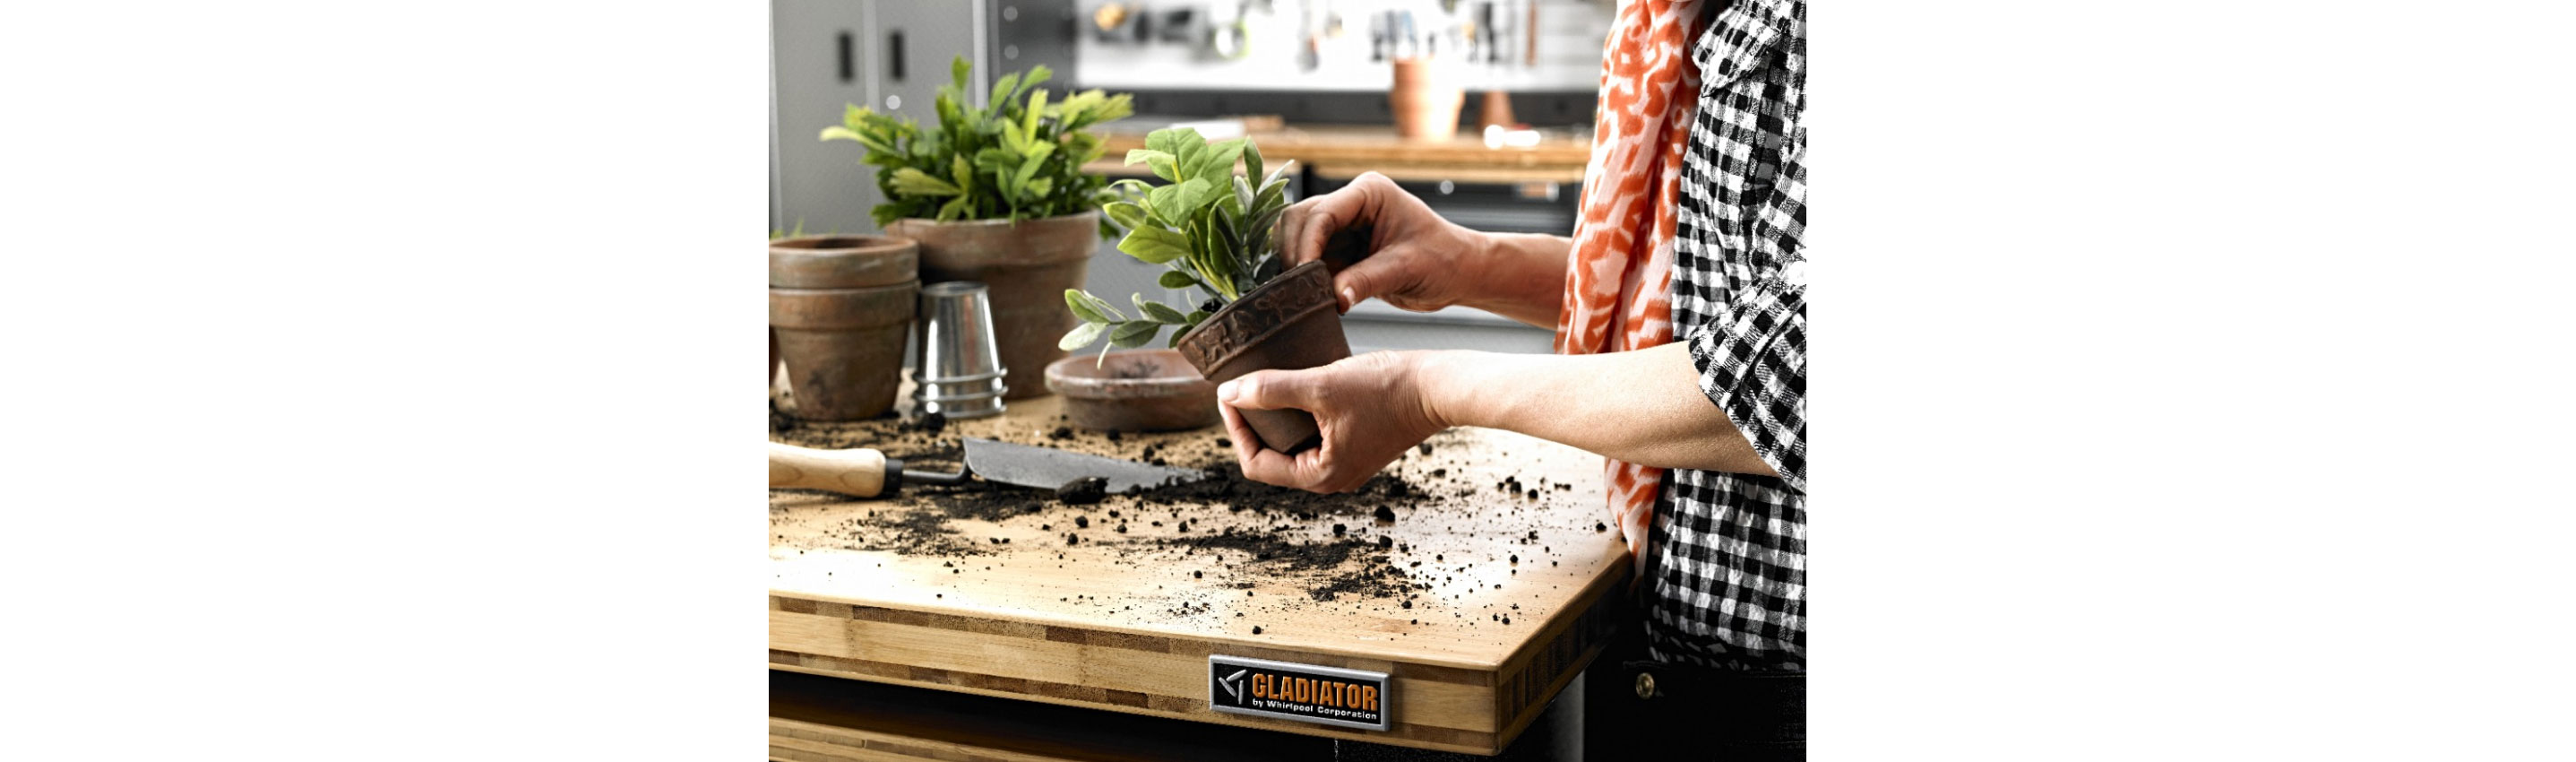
{"type": "Point", "coordinates": [1005, 594]}
{"type": "Point", "coordinates": [1347, 150]}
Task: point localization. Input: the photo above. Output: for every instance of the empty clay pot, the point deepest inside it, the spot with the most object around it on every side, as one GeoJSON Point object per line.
{"type": "Point", "coordinates": [1424, 101]}
{"type": "Point", "coordinates": [842, 261]}
{"type": "Point", "coordinates": [841, 331]}
{"type": "Point", "coordinates": [1287, 324]}
{"type": "Point", "coordinates": [1027, 265]}
{"type": "Point", "coordinates": [1133, 390]}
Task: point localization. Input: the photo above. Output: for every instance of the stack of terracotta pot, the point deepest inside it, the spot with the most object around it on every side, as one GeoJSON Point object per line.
{"type": "Point", "coordinates": [840, 308]}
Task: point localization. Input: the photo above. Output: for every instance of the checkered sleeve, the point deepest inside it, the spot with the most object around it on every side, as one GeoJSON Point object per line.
{"type": "Point", "coordinates": [1752, 361]}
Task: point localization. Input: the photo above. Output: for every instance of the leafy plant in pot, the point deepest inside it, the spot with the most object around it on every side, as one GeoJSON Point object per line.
{"type": "Point", "coordinates": [1213, 229]}
{"type": "Point", "coordinates": [996, 193]}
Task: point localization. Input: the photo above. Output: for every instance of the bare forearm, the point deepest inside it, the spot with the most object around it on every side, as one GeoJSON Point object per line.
{"type": "Point", "coordinates": [1643, 407]}
{"type": "Point", "coordinates": [1521, 276]}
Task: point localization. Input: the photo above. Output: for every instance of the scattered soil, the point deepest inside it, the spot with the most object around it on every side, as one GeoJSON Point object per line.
{"type": "Point", "coordinates": [910, 532]}
{"type": "Point", "coordinates": [1134, 368]}
{"type": "Point", "coordinates": [1083, 491]}
{"type": "Point", "coordinates": [1266, 535]}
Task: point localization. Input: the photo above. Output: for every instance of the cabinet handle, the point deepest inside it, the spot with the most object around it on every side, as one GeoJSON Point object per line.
{"type": "Point", "coordinates": [894, 55]}
{"type": "Point", "coordinates": [848, 72]}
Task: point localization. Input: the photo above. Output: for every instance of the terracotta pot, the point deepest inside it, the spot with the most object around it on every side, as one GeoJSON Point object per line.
{"type": "Point", "coordinates": [1027, 266]}
{"type": "Point", "coordinates": [841, 327]}
{"type": "Point", "coordinates": [842, 261]}
{"type": "Point", "coordinates": [843, 346]}
{"type": "Point", "coordinates": [1497, 111]}
{"type": "Point", "coordinates": [1133, 390]}
{"type": "Point", "coordinates": [1424, 101]}
{"type": "Point", "coordinates": [1286, 324]}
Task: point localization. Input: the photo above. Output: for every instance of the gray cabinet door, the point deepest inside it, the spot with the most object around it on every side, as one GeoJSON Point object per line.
{"type": "Point", "coordinates": [914, 42]}
{"type": "Point", "coordinates": [820, 62]}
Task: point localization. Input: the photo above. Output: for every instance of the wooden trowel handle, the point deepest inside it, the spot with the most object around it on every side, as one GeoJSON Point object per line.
{"type": "Point", "coordinates": [859, 472]}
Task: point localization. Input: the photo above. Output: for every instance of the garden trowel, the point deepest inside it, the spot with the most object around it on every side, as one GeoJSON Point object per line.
{"type": "Point", "coordinates": [869, 473]}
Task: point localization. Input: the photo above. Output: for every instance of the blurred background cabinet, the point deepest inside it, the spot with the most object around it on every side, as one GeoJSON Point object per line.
{"type": "Point", "coordinates": [826, 55]}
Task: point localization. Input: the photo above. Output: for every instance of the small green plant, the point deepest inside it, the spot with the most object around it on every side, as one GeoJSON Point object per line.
{"type": "Point", "coordinates": [1209, 225]}
{"type": "Point", "coordinates": [1015, 157]}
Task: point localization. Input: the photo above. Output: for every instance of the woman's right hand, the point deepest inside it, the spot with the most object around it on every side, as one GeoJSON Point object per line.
{"type": "Point", "coordinates": [1382, 243]}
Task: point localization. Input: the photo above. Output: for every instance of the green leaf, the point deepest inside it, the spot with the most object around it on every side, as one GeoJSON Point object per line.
{"type": "Point", "coordinates": [838, 132]}
{"type": "Point", "coordinates": [1169, 139]}
{"type": "Point", "coordinates": [1154, 246]}
{"type": "Point", "coordinates": [1217, 162]}
{"type": "Point", "coordinates": [1131, 186]}
{"type": "Point", "coordinates": [1091, 309]}
{"type": "Point", "coordinates": [1127, 214]}
{"type": "Point", "coordinates": [1036, 160]}
{"type": "Point", "coordinates": [1007, 88]}
{"type": "Point", "coordinates": [913, 182]}
{"type": "Point", "coordinates": [1158, 161]}
{"type": "Point", "coordinates": [1133, 334]}
{"type": "Point", "coordinates": [1176, 279]}
{"type": "Point", "coordinates": [1278, 175]}
{"type": "Point", "coordinates": [1192, 196]}
{"type": "Point", "coordinates": [1156, 312]}
{"type": "Point", "coordinates": [1081, 336]}
{"type": "Point", "coordinates": [1029, 119]}
{"type": "Point", "coordinates": [1169, 203]}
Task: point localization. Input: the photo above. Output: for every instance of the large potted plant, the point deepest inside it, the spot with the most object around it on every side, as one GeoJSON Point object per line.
{"type": "Point", "coordinates": [996, 193]}
{"type": "Point", "coordinates": [1213, 229]}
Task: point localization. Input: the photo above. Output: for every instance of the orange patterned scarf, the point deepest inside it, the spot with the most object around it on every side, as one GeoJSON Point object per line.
{"type": "Point", "coordinates": [1619, 278]}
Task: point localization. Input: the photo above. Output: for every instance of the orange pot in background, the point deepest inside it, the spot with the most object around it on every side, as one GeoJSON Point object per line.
{"type": "Point", "coordinates": [1425, 100]}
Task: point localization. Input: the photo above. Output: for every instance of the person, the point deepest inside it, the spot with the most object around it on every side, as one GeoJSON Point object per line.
{"type": "Point", "coordinates": [1679, 305]}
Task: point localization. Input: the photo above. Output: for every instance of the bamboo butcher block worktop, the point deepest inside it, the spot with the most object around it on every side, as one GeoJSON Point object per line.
{"type": "Point", "coordinates": [1478, 597]}
{"type": "Point", "coordinates": [1341, 151]}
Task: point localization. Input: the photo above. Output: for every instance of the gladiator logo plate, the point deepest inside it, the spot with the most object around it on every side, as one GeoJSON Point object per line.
{"type": "Point", "coordinates": [1347, 698]}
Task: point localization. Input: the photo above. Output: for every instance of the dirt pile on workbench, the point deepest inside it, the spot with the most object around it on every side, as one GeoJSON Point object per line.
{"type": "Point", "coordinates": [909, 531]}
{"type": "Point", "coordinates": [1265, 533]}
{"type": "Point", "coordinates": [1361, 568]}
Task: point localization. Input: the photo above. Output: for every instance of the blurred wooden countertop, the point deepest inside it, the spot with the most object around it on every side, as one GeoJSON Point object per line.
{"type": "Point", "coordinates": [1496, 554]}
{"type": "Point", "coordinates": [1343, 151]}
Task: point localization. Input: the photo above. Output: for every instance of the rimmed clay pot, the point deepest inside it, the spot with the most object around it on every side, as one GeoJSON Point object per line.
{"type": "Point", "coordinates": [840, 308]}
{"type": "Point", "coordinates": [1287, 324]}
{"type": "Point", "coordinates": [1425, 100]}
{"type": "Point", "coordinates": [1027, 265]}
{"type": "Point", "coordinates": [1133, 390]}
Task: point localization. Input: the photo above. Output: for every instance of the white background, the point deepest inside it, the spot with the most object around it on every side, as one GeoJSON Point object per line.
{"type": "Point", "coordinates": [2191, 383]}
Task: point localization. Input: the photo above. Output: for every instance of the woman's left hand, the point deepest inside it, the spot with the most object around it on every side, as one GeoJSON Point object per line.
{"type": "Point", "coordinates": [1369, 407]}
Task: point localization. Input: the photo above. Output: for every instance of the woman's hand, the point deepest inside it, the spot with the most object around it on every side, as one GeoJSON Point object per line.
{"type": "Point", "coordinates": [1381, 243]}
{"type": "Point", "coordinates": [1643, 407]}
{"type": "Point", "coordinates": [1386, 244]}
{"type": "Point", "coordinates": [1369, 407]}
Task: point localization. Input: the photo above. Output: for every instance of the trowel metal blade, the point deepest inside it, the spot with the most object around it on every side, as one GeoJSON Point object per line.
{"type": "Point", "coordinates": [1050, 468]}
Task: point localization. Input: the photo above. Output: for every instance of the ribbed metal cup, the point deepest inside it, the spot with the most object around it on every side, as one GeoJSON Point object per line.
{"type": "Point", "coordinates": [960, 372]}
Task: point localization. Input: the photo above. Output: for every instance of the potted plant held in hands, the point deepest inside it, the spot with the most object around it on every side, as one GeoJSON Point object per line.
{"type": "Point", "coordinates": [1213, 228]}
{"type": "Point", "coordinates": [996, 193]}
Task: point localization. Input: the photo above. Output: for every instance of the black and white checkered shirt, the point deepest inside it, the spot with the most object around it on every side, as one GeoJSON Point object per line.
{"type": "Point", "coordinates": [1729, 586]}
